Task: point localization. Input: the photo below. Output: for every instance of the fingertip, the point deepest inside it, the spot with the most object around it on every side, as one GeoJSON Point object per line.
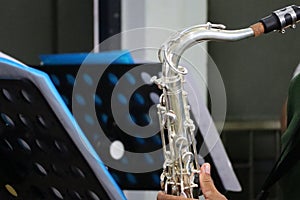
{"type": "Point", "coordinates": [205, 168]}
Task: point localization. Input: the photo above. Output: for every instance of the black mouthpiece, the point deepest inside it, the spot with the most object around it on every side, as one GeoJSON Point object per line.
{"type": "Point", "coordinates": [280, 19]}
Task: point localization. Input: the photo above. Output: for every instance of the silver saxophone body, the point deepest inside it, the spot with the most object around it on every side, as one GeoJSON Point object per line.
{"type": "Point", "coordinates": [180, 166]}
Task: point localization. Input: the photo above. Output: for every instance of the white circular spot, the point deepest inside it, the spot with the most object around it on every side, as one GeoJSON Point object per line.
{"type": "Point", "coordinates": [117, 150]}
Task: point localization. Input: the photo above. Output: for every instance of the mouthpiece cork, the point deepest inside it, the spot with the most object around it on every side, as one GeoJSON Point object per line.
{"type": "Point", "coordinates": [258, 29]}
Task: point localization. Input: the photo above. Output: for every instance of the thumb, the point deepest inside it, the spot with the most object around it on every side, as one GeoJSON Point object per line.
{"type": "Point", "coordinates": [207, 185]}
{"type": "Point", "coordinates": [206, 181]}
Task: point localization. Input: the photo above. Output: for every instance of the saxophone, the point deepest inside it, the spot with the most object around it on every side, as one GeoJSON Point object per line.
{"type": "Point", "coordinates": [180, 167]}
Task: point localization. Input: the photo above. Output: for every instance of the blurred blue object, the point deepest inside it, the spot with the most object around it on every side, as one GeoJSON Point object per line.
{"type": "Point", "coordinates": [108, 57]}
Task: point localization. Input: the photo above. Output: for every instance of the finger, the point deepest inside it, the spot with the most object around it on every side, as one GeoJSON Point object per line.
{"type": "Point", "coordinates": [160, 196]}
{"type": "Point", "coordinates": [207, 185]}
{"type": "Point", "coordinates": [206, 181]}
{"type": "Point", "coordinates": [163, 196]}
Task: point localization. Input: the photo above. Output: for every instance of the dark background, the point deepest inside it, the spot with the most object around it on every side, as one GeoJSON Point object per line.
{"type": "Point", "coordinates": [31, 28]}
{"type": "Point", "coordinates": [256, 71]}
{"type": "Point", "coordinates": [256, 74]}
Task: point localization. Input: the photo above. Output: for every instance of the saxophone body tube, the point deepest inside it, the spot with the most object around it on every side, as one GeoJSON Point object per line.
{"type": "Point", "coordinates": [181, 166]}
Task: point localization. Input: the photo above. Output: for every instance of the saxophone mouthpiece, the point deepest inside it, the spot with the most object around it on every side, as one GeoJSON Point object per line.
{"type": "Point", "coordinates": [279, 20]}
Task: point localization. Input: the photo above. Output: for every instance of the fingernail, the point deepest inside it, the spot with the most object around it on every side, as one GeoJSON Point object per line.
{"type": "Point", "coordinates": [207, 169]}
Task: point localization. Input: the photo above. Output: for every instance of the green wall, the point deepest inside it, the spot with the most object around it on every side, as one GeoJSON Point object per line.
{"type": "Point", "coordinates": [256, 71]}
{"type": "Point", "coordinates": [31, 28]}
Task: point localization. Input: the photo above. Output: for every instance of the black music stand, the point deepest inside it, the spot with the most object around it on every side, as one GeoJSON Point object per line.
{"type": "Point", "coordinates": [63, 77]}
{"type": "Point", "coordinates": [43, 152]}
{"type": "Point", "coordinates": [107, 80]}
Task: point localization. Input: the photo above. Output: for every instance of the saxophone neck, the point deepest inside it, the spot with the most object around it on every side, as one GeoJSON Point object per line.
{"type": "Point", "coordinates": [172, 50]}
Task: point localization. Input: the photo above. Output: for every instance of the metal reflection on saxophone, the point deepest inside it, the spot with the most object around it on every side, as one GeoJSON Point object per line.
{"type": "Point", "coordinates": [181, 168]}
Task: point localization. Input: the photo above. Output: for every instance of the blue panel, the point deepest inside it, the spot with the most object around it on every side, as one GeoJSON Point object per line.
{"type": "Point", "coordinates": [88, 79]}
{"type": "Point", "coordinates": [140, 140]}
{"type": "Point", "coordinates": [116, 57]}
{"type": "Point", "coordinates": [70, 78]}
{"type": "Point", "coordinates": [146, 118]}
{"type": "Point", "coordinates": [89, 119]}
{"type": "Point", "coordinates": [66, 100]}
{"type": "Point", "coordinates": [122, 99]}
{"type": "Point", "coordinates": [157, 139]}
{"type": "Point", "coordinates": [131, 178]}
{"type": "Point", "coordinates": [98, 100]}
{"type": "Point", "coordinates": [131, 119]}
{"type": "Point", "coordinates": [40, 77]}
{"type": "Point", "coordinates": [130, 78]}
{"type": "Point", "coordinates": [104, 118]}
{"type": "Point", "coordinates": [55, 79]}
{"type": "Point", "coordinates": [113, 79]}
{"type": "Point", "coordinates": [80, 100]}
{"type": "Point", "coordinates": [139, 99]}
{"type": "Point", "coordinates": [156, 179]}
{"type": "Point", "coordinates": [149, 159]}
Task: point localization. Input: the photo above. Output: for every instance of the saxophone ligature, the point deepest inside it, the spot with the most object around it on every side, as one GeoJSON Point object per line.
{"type": "Point", "coordinates": [180, 168]}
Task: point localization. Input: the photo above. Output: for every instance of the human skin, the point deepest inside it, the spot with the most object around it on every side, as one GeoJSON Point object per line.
{"type": "Point", "coordinates": [208, 188]}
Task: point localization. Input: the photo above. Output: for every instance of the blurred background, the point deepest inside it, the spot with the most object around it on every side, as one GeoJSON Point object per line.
{"type": "Point", "coordinates": [256, 72]}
